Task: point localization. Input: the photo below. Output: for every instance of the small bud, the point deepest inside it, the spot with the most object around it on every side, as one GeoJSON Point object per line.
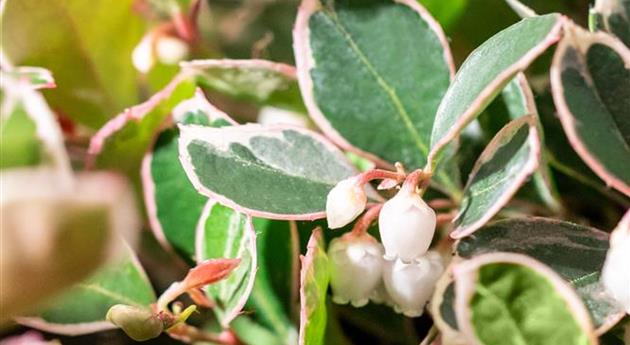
{"type": "Point", "coordinates": [410, 286]}
{"type": "Point", "coordinates": [345, 202]}
{"type": "Point", "coordinates": [138, 323]}
{"type": "Point", "coordinates": [407, 225]}
{"type": "Point", "coordinates": [356, 265]}
{"type": "Point", "coordinates": [171, 50]}
{"type": "Point", "coordinates": [142, 56]}
{"type": "Point", "coordinates": [615, 274]}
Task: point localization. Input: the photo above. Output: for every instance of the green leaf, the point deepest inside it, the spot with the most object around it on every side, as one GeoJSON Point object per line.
{"type": "Point", "coordinates": [19, 143]}
{"type": "Point", "coordinates": [508, 160]}
{"type": "Point", "coordinates": [86, 45]}
{"type": "Point", "coordinates": [259, 82]}
{"type": "Point", "coordinates": [314, 279]}
{"type": "Point", "coordinates": [265, 171]}
{"type": "Point", "coordinates": [486, 71]}
{"type": "Point", "coordinates": [575, 252]}
{"type": "Point", "coordinates": [82, 309]}
{"type": "Point", "coordinates": [224, 233]}
{"type": "Point", "coordinates": [612, 16]}
{"type": "Point", "coordinates": [173, 204]}
{"type": "Point", "coordinates": [446, 13]}
{"type": "Point", "coordinates": [443, 304]}
{"type": "Point", "coordinates": [29, 132]}
{"type": "Point", "coordinates": [36, 77]}
{"type": "Point", "coordinates": [121, 144]}
{"type": "Point", "coordinates": [274, 296]}
{"type": "Point", "coordinates": [590, 79]}
{"type": "Point", "coordinates": [366, 65]}
{"type": "Point", "coordinates": [519, 101]}
{"type": "Point", "coordinates": [505, 299]}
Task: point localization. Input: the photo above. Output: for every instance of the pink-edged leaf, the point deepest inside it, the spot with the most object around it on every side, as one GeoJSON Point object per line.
{"type": "Point", "coordinates": [590, 80]}
{"type": "Point", "coordinates": [31, 135]}
{"type": "Point", "coordinates": [82, 308]}
{"type": "Point", "coordinates": [223, 232]}
{"type": "Point", "coordinates": [519, 100]}
{"type": "Point", "coordinates": [121, 144]}
{"type": "Point", "coordinates": [35, 77]}
{"type": "Point", "coordinates": [506, 298]}
{"type": "Point", "coordinates": [383, 64]}
{"type": "Point", "coordinates": [501, 169]}
{"type": "Point", "coordinates": [260, 82]}
{"type": "Point", "coordinates": [486, 71]}
{"type": "Point", "coordinates": [314, 279]}
{"type": "Point", "coordinates": [173, 205]}
{"type": "Point", "coordinates": [277, 172]}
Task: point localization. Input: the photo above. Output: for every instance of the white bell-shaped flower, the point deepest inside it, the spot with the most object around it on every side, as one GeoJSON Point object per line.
{"type": "Point", "coordinates": [407, 225]}
{"type": "Point", "coordinates": [410, 285]}
{"type": "Point", "coordinates": [356, 266]}
{"type": "Point", "coordinates": [143, 56]}
{"type": "Point", "coordinates": [345, 202]}
{"type": "Point", "coordinates": [616, 274]}
{"type": "Point", "coordinates": [171, 50]}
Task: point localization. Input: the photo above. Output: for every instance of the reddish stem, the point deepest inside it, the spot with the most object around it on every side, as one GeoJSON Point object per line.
{"type": "Point", "coordinates": [441, 203]}
{"type": "Point", "coordinates": [381, 174]}
{"type": "Point", "coordinates": [363, 224]}
{"type": "Point", "coordinates": [444, 218]}
{"type": "Point", "coordinates": [417, 179]}
{"type": "Point", "coordinates": [190, 334]}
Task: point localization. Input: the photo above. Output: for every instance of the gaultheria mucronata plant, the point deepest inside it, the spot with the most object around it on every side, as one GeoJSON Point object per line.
{"type": "Point", "coordinates": [422, 195]}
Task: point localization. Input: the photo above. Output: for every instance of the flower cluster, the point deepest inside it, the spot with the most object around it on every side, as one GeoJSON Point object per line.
{"type": "Point", "coordinates": [401, 271]}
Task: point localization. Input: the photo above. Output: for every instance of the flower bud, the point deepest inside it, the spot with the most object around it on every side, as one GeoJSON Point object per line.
{"type": "Point", "coordinates": [615, 274]}
{"type": "Point", "coordinates": [138, 323]}
{"type": "Point", "coordinates": [410, 286]}
{"type": "Point", "coordinates": [142, 56]}
{"type": "Point", "coordinates": [171, 50]}
{"type": "Point", "coordinates": [356, 266]}
{"type": "Point", "coordinates": [407, 225]}
{"type": "Point", "coordinates": [345, 202]}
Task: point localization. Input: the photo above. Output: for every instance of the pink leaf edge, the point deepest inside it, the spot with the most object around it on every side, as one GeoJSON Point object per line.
{"type": "Point", "coordinates": [304, 63]}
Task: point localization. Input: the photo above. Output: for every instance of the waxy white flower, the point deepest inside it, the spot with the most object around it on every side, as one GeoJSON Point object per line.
{"type": "Point", "coordinates": [171, 50]}
{"type": "Point", "coordinates": [407, 225]}
{"type": "Point", "coordinates": [345, 202]}
{"type": "Point", "coordinates": [616, 274]}
{"type": "Point", "coordinates": [410, 285]}
{"type": "Point", "coordinates": [143, 57]}
{"type": "Point", "coordinates": [356, 266]}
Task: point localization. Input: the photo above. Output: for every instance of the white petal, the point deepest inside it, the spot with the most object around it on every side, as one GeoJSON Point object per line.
{"type": "Point", "coordinates": [171, 50]}
{"type": "Point", "coordinates": [410, 285]}
{"type": "Point", "coordinates": [345, 202]}
{"type": "Point", "coordinates": [355, 272]}
{"type": "Point", "coordinates": [616, 274]}
{"type": "Point", "coordinates": [142, 56]}
{"type": "Point", "coordinates": [407, 225]}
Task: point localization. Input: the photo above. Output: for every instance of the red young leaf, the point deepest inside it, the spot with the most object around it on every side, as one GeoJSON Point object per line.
{"type": "Point", "coordinates": [208, 272]}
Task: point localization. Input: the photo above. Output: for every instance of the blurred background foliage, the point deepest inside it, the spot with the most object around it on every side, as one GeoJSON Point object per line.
{"type": "Point", "coordinates": [88, 47]}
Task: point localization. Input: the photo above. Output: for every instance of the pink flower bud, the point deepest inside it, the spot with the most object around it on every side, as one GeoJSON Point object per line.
{"type": "Point", "coordinates": [345, 202]}
{"type": "Point", "coordinates": [407, 225]}
{"type": "Point", "coordinates": [410, 285]}
{"type": "Point", "coordinates": [356, 266]}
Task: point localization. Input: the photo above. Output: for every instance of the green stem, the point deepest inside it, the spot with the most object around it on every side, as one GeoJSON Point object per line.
{"type": "Point", "coordinates": [568, 171]}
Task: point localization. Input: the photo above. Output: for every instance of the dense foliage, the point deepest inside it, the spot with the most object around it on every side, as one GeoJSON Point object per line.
{"type": "Point", "coordinates": [328, 172]}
